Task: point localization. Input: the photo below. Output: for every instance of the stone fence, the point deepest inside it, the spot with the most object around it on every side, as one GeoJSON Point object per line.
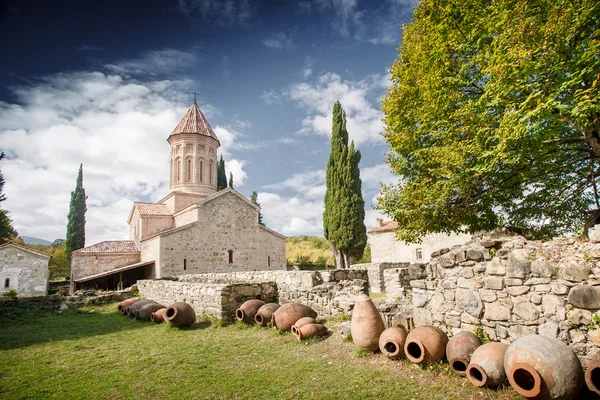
{"type": "Point", "coordinates": [327, 292]}
{"type": "Point", "coordinates": [509, 287]}
{"type": "Point", "coordinates": [376, 273]}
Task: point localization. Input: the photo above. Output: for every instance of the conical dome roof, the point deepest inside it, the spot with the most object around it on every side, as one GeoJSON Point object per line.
{"type": "Point", "coordinates": [194, 122]}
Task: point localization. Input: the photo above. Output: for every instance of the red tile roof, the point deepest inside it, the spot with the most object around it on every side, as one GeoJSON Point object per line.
{"type": "Point", "coordinates": [152, 208]}
{"type": "Point", "coordinates": [110, 246]}
{"type": "Point", "coordinates": [194, 122]}
{"type": "Point", "coordinates": [388, 226]}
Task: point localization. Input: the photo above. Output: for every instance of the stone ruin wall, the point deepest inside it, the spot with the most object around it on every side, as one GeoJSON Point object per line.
{"type": "Point", "coordinates": [508, 286]}
{"type": "Point", "coordinates": [375, 272]}
{"type": "Point", "coordinates": [327, 292]}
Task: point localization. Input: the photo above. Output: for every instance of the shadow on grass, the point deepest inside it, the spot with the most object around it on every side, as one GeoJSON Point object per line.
{"type": "Point", "coordinates": [195, 326]}
{"type": "Point", "coordinates": [22, 327]}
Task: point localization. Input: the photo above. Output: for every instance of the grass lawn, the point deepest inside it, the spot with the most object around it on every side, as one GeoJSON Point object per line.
{"type": "Point", "coordinates": [103, 355]}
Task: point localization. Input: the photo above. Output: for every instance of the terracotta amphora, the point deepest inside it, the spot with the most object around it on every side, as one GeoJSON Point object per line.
{"type": "Point", "coordinates": [132, 309]}
{"type": "Point", "coordinates": [159, 315]}
{"type": "Point", "coordinates": [459, 350]}
{"type": "Point", "coordinates": [301, 322]}
{"type": "Point", "coordinates": [310, 330]}
{"type": "Point", "coordinates": [248, 310]}
{"type": "Point", "coordinates": [592, 376]}
{"type": "Point", "coordinates": [391, 342]}
{"type": "Point", "coordinates": [124, 304]}
{"type": "Point", "coordinates": [180, 314]}
{"type": "Point", "coordinates": [425, 344]}
{"type": "Point", "coordinates": [541, 367]}
{"type": "Point", "coordinates": [366, 325]}
{"type": "Point", "coordinates": [265, 313]}
{"type": "Point", "coordinates": [288, 314]}
{"type": "Point", "coordinates": [487, 365]}
{"type": "Point", "coordinates": [146, 311]}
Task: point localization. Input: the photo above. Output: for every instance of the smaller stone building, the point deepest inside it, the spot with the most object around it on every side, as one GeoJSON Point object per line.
{"type": "Point", "coordinates": [385, 248]}
{"type": "Point", "coordinates": [23, 270]}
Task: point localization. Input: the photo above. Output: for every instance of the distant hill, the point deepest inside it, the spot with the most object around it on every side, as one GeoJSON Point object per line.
{"type": "Point", "coordinates": [34, 240]}
{"type": "Point", "coordinates": [314, 250]}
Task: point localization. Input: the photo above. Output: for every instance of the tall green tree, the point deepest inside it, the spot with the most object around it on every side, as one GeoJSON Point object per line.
{"type": "Point", "coordinates": [343, 218]}
{"type": "Point", "coordinates": [254, 199]}
{"type": "Point", "coordinates": [7, 231]}
{"type": "Point", "coordinates": [76, 218]}
{"type": "Point", "coordinates": [221, 177]}
{"type": "Point", "coordinates": [231, 179]}
{"type": "Point", "coordinates": [493, 118]}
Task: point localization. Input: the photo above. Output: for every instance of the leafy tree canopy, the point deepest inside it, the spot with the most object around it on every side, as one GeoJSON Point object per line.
{"type": "Point", "coordinates": [493, 118]}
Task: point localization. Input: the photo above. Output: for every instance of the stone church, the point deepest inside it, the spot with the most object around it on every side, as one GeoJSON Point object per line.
{"type": "Point", "coordinates": [194, 229]}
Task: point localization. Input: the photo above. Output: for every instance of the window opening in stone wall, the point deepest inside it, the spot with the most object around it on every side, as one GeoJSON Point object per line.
{"type": "Point", "coordinates": [230, 256]}
{"type": "Point", "coordinates": [200, 171]}
{"type": "Point", "coordinates": [210, 168]}
{"type": "Point", "coordinates": [184, 264]}
{"type": "Point", "coordinates": [178, 171]}
{"type": "Point", "coordinates": [269, 261]}
{"type": "Point", "coordinates": [419, 254]}
{"type": "Point", "coordinates": [6, 283]}
{"type": "Point", "coordinates": [189, 171]}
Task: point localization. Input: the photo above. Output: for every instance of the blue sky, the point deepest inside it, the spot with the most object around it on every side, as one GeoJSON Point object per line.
{"type": "Point", "coordinates": [103, 83]}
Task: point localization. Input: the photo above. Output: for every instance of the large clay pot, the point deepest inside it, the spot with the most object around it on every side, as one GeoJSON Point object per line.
{"type": "Point", "coordinates": [592, 376]}
{"type": "Point", "coordinates": [124, 304]}
{"type": "Point", "coordinates": [425, 344]}
{"type": "Point", "coordinates": [301, 322]}
{"type": "Point", "coordinates": [265, 313]}
{"type": "Point", "coordinates": [459, 350]}
{"type": "Point", "coordinates": [310, 330]}
{"type": "Point", "coordinates": [391, 342]}
{"type": "Point", "coordinates": [146, 311]}
{"type": "Point", "coordinates": [288, 314]}
{"type": "Point", "coordinates": [180, 314]}
{"type": "Point", "coordinates": [248, 310]}
{"type": "Point", "coordinates": [132, 309]}
{"type": "Point", "coordinates": [366, 325]}
{"type": "Point", "coordinates": [487, 365]}
{"type": "Point", "coordinates": [159, 315]}
{"type": "Point", "coordinates": [543, 368]}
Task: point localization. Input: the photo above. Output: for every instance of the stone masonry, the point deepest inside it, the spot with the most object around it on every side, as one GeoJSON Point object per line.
{"type": "Point", "coordinates": [23, 270]}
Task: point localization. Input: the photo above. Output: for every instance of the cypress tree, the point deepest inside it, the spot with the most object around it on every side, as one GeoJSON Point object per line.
{"type": "Point", "coordinates": [76, 218]}
{"type": "Point", "coordinates": [231, 179]}
{"type": "Point", "coordinates": [7, 232]}
{"type": "Point", "coordinates": [254, 199]}
{"type": "Point", "coordinates": [343, 219]}
{"type": "Point", "coordinates": [221, 177]}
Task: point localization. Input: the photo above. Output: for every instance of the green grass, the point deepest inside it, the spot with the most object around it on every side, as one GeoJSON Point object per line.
{"type": "Point", "coordinates": [103, 355]}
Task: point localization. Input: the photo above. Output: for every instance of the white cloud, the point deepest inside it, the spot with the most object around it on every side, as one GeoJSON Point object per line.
{"type": "Point", "coordinates": [154, 62]}
{"type": "Point", "coordinates": [278, 41]}
{"type": "Point", "coordinates": [271, 97]}
{"type": "Point", "coordinates": [307, 69]}
{"type": "Point", "coordinates": [237, 168]}
{"type": "Point", "coordinates": [357, 97]}
{"type": "Point", "coordinates": [115, 126]}
{"type": "Point", "coordinates": [218, 12]}
{"type": "Point", "coordinates": [373, 176]}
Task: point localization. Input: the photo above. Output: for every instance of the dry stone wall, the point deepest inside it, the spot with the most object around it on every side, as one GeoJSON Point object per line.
{"type": "Point", "coordinates": [327, 292]}
{"type": "Point", "coordinates": [376, 271]}
{"type": "Point", "coordinates": [508, 286]}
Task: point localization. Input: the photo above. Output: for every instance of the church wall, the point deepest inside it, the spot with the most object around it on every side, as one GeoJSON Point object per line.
{"type": "Point", "coordinates": [27, 273]}
{"type": "Point", "coordinates": [91, 264]}
{"type": "Point", "coordinates": [152, 225]}
{"type": "Point", "coordinates": [184, 200]}
{"type": "Point", "coordinates": [385, 248]}
{"type": "Point", "coordinates": [134, 227]}
{"type": "Point", "coordinates": [225, 223]}
{"type": "Point", "coordinates": [150, 251]}
{"type": "Point", "coordinates": [186, 218]}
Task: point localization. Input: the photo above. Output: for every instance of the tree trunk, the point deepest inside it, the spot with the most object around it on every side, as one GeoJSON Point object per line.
{"type": "Point", "coordinates": [346, 260]}
{"type": "Point", "coordinates": [592, 220]}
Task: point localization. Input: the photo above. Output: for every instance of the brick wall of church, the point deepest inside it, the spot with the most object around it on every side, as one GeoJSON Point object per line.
{"type": "Point", "coordinates": [92, 264]}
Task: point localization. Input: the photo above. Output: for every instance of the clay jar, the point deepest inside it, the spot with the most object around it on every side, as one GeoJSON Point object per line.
{"type": "Point", "coordinates": [543, 368]}
{"type": "Point", "coordinates": [180, 314]}
{"type": "Point", "coordinates": [132, 309]}
{"type": "Point", "coordinates": [301, 322]}
{"type": "Point", "coordinates": [592, 376]}
{"type": "Point", "coordinates": [248, 310]}
{"type": "Point", "coordinates": [487, 365]}
{"type": "Point", "coordinates": [425, 344]}
{"type": "Point", "coordinates": [310, 330]}
{"type": "Point", "coordinates": [158, 316]}
{"type": "Point", "coordinates": [288, 314]}
{"type": "Point", "coordinates": [146, 311]}
{"type": "Point", "coordinates": [366, 325]}
{"type": "Point", "coordinates": [459, 350]}
{"type": "Point", "coordinates": [391, 342]}
{"type": "Point", "coordinates": [124, 304]}
{"type": "Point", "coordinates": [265, 313]}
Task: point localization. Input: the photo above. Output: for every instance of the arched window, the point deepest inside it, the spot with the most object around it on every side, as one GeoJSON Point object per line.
{"type": "Point", "coordinates": [269, 261]}
{"type": "Point", "coordinates": [200, 170]}
{"type": "Point", "coordinates": [6, 283]}
{"type": "Point", "coordinates": [230, 256]}
{"type": "Point", "coordinates": [184, 264]}
{"type": "Point", "coordinates": [188, 176]}
{"type": "Point", "coordinates": [178, 171]}
{"type": "Point", "coordinates": [210, 175]}
{"type": "Point", "coordinates": [172, 170]}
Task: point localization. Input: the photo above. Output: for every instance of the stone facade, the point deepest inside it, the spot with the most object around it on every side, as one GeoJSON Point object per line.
{"type": "Point", "coordinates": [510, 287]}
{"type": "Point", "coordinates": [327, 292]}
{"type": "Point", "coordinates": [376, 272]}
{"type": "Point", "coordinates": [88, 264]}
{"type": "Point", "coordinates": [23, 270]}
